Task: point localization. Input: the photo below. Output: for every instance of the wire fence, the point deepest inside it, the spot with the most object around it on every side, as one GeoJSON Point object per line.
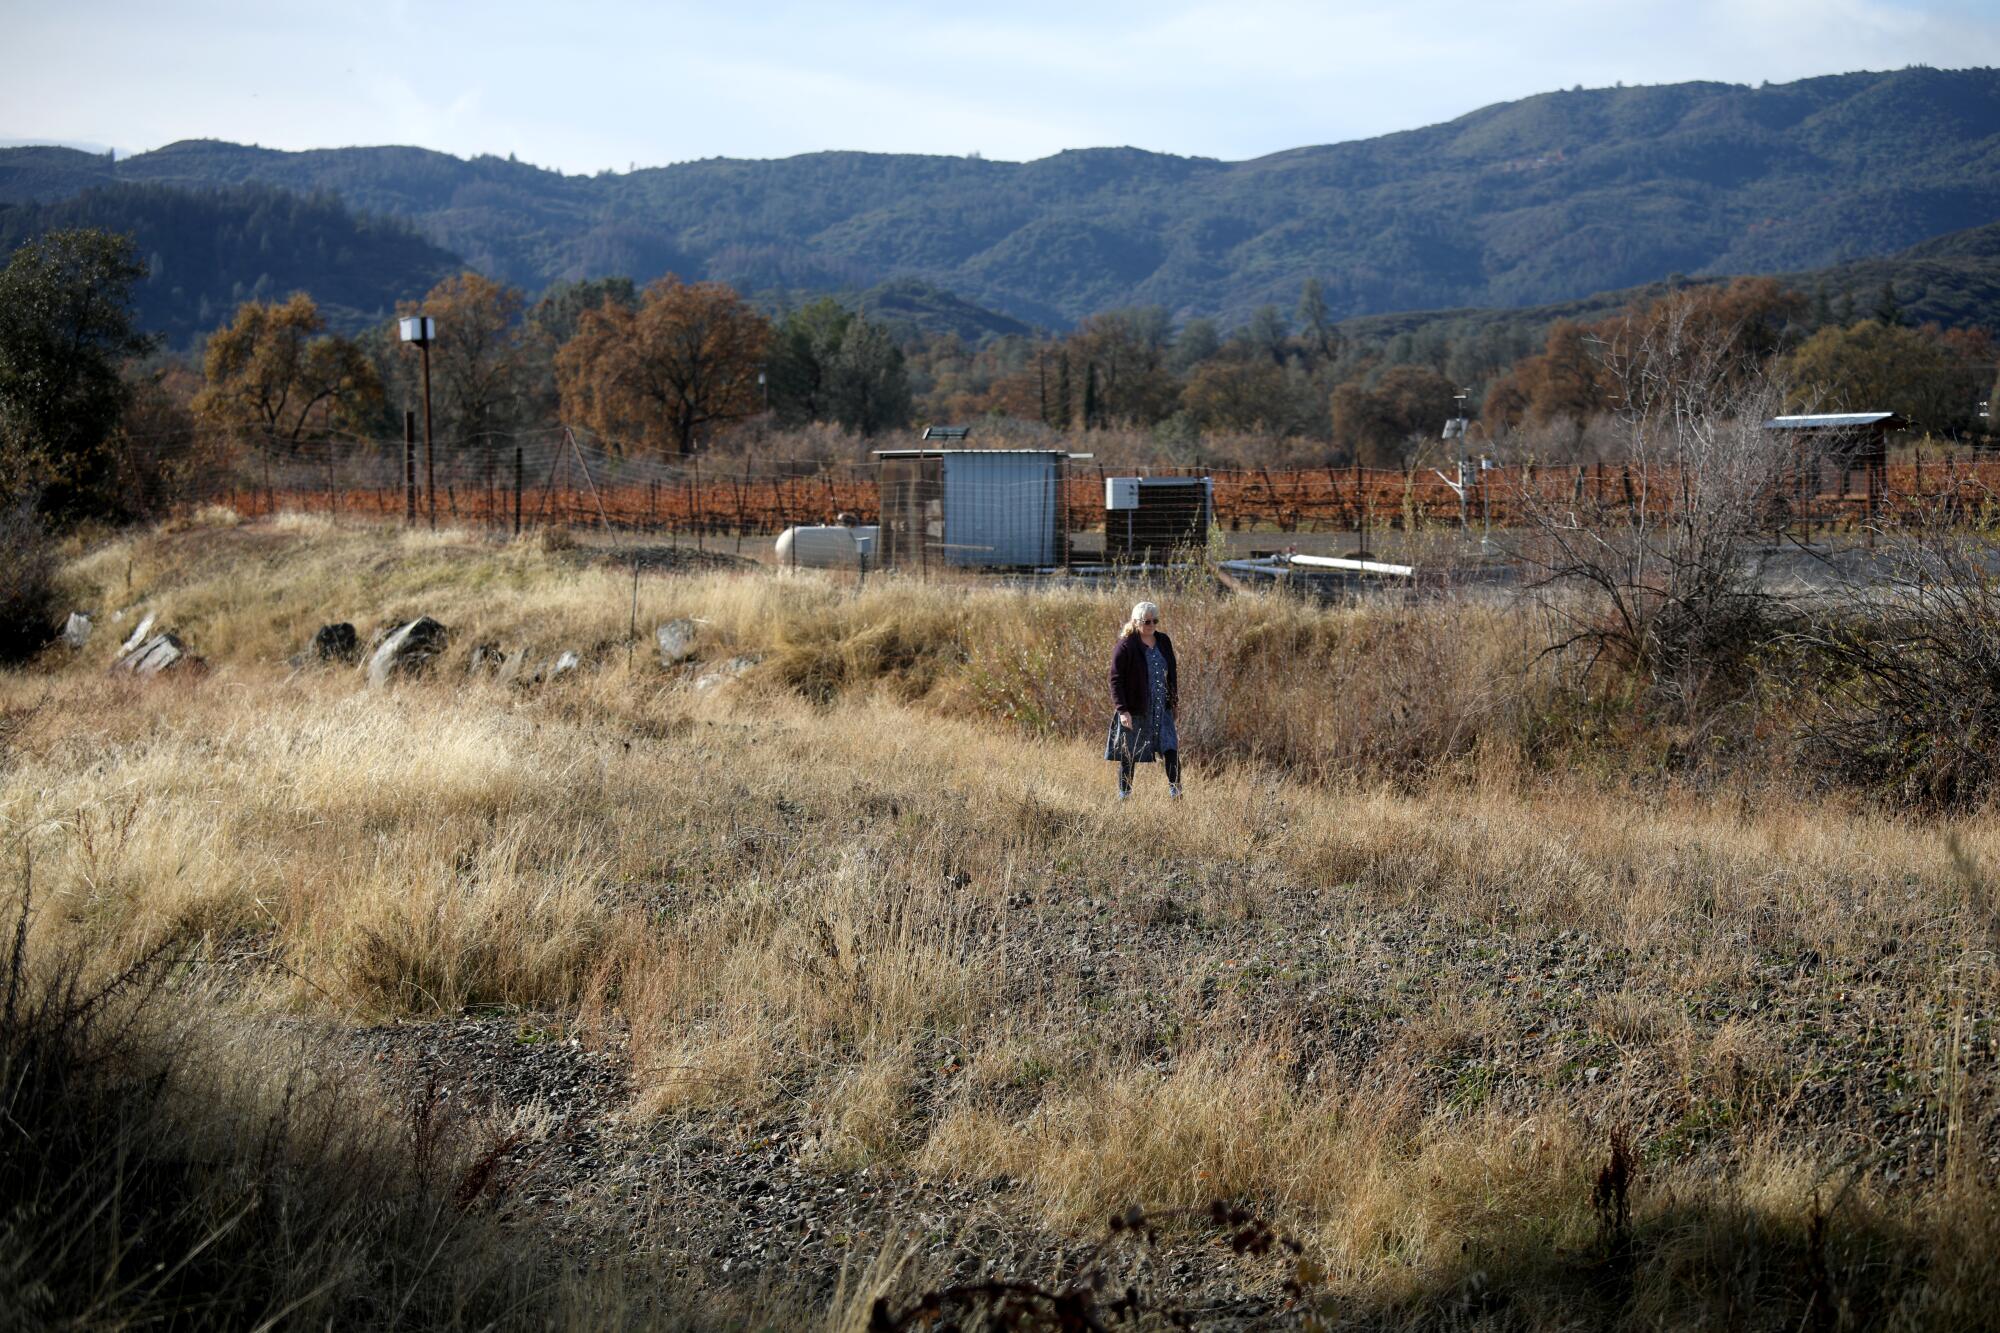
{"type": "Point", "coordinates": [559, 477]}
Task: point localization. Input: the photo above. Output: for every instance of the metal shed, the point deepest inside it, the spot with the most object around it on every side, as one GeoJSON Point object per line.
{"type": "Point", "coordinates": [973, 508]}
{"type": "Point", "coordinates": [1846, 440]}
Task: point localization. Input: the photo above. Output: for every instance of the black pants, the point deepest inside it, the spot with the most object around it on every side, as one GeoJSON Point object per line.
{"type": "Point", "coordinates": [1171, 758]}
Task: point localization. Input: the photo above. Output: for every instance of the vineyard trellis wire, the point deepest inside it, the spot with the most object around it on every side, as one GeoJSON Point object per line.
{"type": "Point", "coordinates": [559, 477]}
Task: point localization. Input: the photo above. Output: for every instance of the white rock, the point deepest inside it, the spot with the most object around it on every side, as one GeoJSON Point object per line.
{"type": "Point", "coordinates": [725, 673]}
{"type": "Point", "coordinates": [76, 630]}
{"type": "Point", "coordinates": [160, 653]}
{"type": "Point", "coordinates": [513, 668]}
{"type": "Point", "coordinates": [676, 640]}
{"type": "Point", "coordinates": [407, 650]}
{"type": "Point", "coordinates": [138, 636]}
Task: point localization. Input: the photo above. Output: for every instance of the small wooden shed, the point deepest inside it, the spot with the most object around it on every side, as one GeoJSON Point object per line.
{"type": "Point", "coordinates": [1846, 440]}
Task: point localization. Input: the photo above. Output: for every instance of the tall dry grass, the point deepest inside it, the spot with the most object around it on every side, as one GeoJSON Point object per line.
{"type": "Point", "coordinates": [876, 886]}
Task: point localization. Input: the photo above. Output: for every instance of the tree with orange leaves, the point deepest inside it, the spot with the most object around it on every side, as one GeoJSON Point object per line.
{"type": "Point", "coordinates": [275, 371]}
{"type": "Point", "coordinates": [480, 359]}
{"type": "Point", "coordinates": [659, 376]}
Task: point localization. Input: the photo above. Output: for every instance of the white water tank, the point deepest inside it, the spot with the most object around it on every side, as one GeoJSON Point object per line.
{"type": "Point", "coordinates": [828, 546]}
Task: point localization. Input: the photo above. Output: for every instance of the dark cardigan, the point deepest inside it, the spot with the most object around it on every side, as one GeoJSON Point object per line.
{"type": "Point", "coordinates": [1128, 675]}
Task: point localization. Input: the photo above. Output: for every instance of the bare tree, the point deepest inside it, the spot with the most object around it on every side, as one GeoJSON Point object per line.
{"type": "Point", "coordinates": [1658, 566]}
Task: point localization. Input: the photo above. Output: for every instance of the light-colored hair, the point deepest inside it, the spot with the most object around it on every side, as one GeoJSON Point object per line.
{"type": "Point", "coordinates": [1140, 610]}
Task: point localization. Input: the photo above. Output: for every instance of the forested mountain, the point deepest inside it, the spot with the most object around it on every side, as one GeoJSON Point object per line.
{"type": "Point", "coordinates": [208, 250]}
{"type": "Point", "coordinates": [907, 304]}
{"type": "Point", "coordinates": [1951, 280]}
{"type": "Point", "coordinates": [1545, 199]}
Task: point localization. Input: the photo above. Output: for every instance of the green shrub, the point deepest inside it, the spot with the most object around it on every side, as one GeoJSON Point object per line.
{"type": "Point", "coordinates": [28, 594]}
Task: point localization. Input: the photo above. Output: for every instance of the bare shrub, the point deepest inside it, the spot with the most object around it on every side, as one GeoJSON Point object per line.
{"type": "Point", "coordinates": [1663, 576]}
{"type": "Point", "coordinates": [1909, 707]}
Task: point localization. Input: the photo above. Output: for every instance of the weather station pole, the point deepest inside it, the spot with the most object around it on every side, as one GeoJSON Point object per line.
{"type": "Point", "coordinates": [1454, 429]}
{"type": "Point", "coordinates": [422, 330]}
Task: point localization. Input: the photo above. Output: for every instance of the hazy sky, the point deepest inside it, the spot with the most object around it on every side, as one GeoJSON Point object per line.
{"type": "Point", "coordinates": [593, 85]}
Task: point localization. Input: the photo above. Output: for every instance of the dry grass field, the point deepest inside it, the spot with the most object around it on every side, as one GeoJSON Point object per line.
{"type": "Point", "coordinates": [846, 977]}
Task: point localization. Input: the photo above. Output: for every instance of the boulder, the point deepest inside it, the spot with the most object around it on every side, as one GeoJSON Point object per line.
{"type": "Point", "coordinates": [334, 643]}
{"type": "Point", "coordinates": [76, 630]}
{"type": "Point", "coordinates": [513, 669]}
{"type": "Point", "coordinates": [407, 650]}
{"type": "Point", "coordinates": [562, 666]}
{"type": "Point", "coordinates": [676, 640]}
{"type": "Point", "coordinates": [486, 660]}
{"type": "Point", "coordinates": [162, 652]}
{"type": "Point", "coordinates": [725, 673]}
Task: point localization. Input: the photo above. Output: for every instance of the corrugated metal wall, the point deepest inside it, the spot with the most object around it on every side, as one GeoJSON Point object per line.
{"type": "Point", "coordinates": [1002, 509]}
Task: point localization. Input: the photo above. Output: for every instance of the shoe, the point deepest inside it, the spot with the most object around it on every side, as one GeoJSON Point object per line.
{"type": "Point", "coordinates": [1174, 791]}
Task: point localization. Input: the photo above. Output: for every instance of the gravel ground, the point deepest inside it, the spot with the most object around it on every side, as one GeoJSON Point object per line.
{"type": "Point", "coordinates": [676, 558]}
{"type": "Point", "coordinates": [1566, 1021]}
{"type": "Point", "coordinates": [743, 1205]}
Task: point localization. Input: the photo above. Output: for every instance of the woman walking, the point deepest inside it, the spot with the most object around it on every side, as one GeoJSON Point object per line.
{"type": "Point", "coordinates": [1145, 689]}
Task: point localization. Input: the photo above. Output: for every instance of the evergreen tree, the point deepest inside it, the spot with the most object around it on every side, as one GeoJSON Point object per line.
{"type": "Point", "coordinates": [871, 388]}
{"type": "Point", "coordinates": [1315, 324]}
{"type": "Point", "coordinates": [563, 305]}
{"type": "Point", "coordinates": [805, 356]}
{"type": "Point", "coordinates": [65, 328]}
{"type": "Point", "coordinates": [1267, 333]}
{"type": "Point", "coordinates": [1198, 341]}
{"type": "Point", "coordinates": [1888, 310]}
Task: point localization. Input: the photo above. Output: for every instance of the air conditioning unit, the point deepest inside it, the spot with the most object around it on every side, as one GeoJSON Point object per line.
{"type": "Point", "coordinates": [1152, 518]}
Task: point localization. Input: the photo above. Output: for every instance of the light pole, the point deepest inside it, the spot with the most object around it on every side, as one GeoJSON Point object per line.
{"type": "Point", "coordinates": [422, 330]}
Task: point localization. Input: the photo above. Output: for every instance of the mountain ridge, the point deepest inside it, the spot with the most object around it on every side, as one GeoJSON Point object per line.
{"type": "Point", "coordinates": [1544, 199]}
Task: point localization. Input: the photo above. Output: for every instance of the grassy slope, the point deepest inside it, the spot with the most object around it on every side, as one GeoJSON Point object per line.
{"type": "Point", "coordinates": [877, 888]}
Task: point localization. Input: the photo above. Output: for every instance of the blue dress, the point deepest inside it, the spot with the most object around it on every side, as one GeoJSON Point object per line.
{"type": "Point", "coordinates": [1153, 731]}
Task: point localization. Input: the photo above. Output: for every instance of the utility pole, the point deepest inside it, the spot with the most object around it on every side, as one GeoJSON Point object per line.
{"type": "Point", "coordinates": [410, 467]}
{"type": "Point", "coordinates": [422, 330]}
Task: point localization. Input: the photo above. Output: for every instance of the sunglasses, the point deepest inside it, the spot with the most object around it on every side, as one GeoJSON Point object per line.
{"type": "Point", "coordinates": [1149, 621]}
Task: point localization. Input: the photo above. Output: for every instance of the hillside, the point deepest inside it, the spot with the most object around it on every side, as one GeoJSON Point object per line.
{"type": "Point", "coordinates": [1952, 280]}
{"type": "Point", "coordinates": [1542, 200]}
{"type": "Point", "coordinates": [208, 250]}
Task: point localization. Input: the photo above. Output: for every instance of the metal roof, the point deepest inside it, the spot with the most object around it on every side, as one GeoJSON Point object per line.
{"type": "Point", "coordinates": [1836, 421]}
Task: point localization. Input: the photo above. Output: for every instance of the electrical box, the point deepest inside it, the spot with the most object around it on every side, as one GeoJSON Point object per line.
{"type": "Point", "coordinates": [1121, 493]}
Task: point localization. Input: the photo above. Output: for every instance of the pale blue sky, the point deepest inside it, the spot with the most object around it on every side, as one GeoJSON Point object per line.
{"type": "Point", "coordinates": [594, 85]}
